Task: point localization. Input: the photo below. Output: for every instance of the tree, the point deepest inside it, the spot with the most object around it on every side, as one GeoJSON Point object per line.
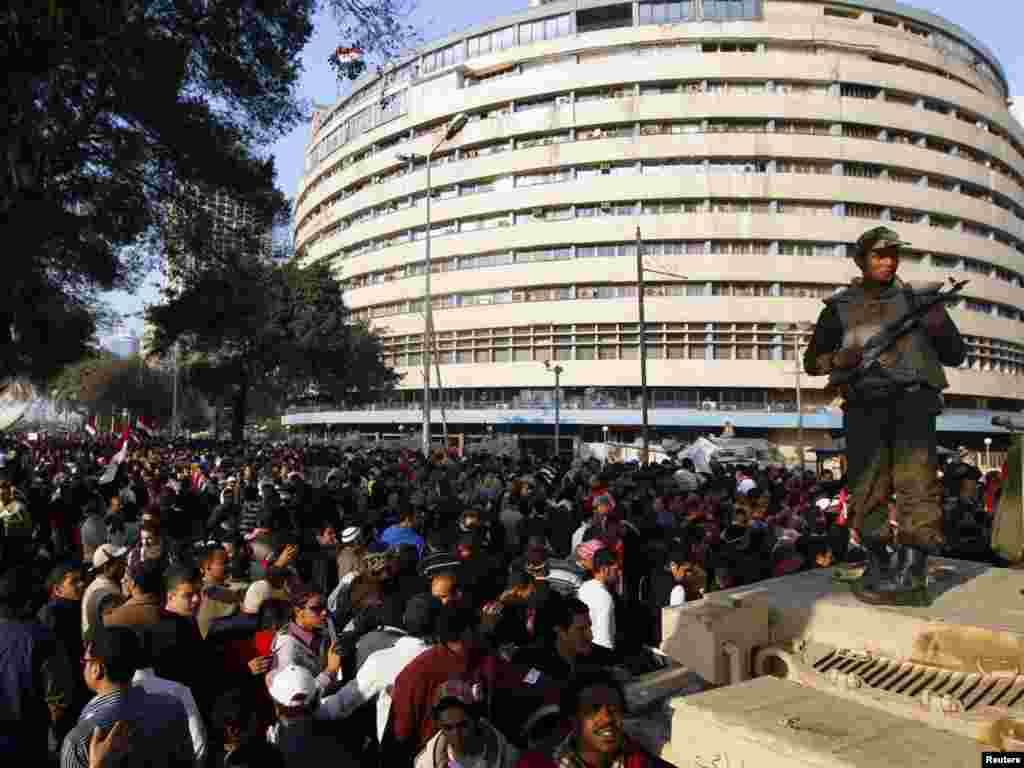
{"type": "Point", "coordinates": [254, 327]}
{"type": "Point", "coordinates": [378, 30]}
{"type": "Point", "coordinates": [112, 109]}
{"type": "Point", "coordinates": [105, 385]}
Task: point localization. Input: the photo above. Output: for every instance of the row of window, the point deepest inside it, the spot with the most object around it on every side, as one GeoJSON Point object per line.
{"type": "Point", "coordinates": [394, 104]}
{"type": "Point", "coordinates": [688, 206]}
{"type": "Point", "coordinates": [702, 341]}
{"type": "Point", "coordinates": [629, 291]}
{"type": "Point", "coordinates": [491, 260]}
{"type": "Point", "coordinates": [650, 12]}
{"type": "Point", "coordinates": [938, 40]}
{"type": "Point", "coordinates": [316, 216]}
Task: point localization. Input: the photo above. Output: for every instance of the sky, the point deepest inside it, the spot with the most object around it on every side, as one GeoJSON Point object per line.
{"type": "Point", "coordinates": [997, 24]}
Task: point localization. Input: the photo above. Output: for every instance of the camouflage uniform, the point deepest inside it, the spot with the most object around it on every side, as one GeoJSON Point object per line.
{"type": "Point", "coordinates": [890, 411]}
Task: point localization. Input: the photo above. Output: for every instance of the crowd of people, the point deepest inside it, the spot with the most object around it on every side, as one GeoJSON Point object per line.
{"type": "Point", "coordinates": [208, 604]}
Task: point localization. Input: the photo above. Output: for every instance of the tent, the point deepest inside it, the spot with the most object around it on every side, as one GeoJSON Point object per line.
{"type": "Point", "coordinates": [700, 452]}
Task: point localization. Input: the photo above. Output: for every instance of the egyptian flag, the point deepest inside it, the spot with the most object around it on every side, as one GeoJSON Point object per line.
{"type": "Point", "coordinates": [90, 426]}
{"type": "Point", "coordinates": [148, 429]}
{"type": "Point", "coordinates": [348, 55]}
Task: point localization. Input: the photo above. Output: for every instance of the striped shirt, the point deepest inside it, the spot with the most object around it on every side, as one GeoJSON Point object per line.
{"type": "Point", "coordinates": [160, 735]}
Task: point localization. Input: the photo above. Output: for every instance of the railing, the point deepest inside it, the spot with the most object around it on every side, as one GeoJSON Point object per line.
{"type": "Point", "coordinates": [517, 404]}
{"type": "Point", "coordinates": [569, 406]}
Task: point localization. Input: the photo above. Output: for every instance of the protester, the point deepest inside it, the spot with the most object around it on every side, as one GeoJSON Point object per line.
{"type": "Point", "coordinates": [159, 724]}
{"type": "Point", "coordinates": [445, 569]}
{"type": "Point", "coordinates": [463, 737]}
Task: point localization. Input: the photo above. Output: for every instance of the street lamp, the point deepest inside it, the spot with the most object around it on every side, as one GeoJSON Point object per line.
{"type": "Point", "coordinates": [640, 290]}
{"type": "Point", "coordinates": [988, 452]}
{"type": "Point", "coordinates": [557, 370]}
{"type": "Point", "coordinates": [456, 124]}
{"type": "Point", "coordinates": [796, 330]}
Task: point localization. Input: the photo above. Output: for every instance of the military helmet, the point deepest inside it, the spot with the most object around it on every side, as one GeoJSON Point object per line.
{"type": "Point", "coordinates": [873, 237]}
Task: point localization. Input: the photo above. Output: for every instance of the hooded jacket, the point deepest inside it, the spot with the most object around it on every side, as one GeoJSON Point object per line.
{"type": "Point", "coordinates": [498, 752]}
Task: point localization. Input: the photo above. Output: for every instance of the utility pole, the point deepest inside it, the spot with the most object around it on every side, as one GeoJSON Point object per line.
{"type": "Point", "coordinates": [451, 130]}
{"type": "Point", "coordinates": [558, 371]}
{"type": "Point", "coordinates": [644, 434]}
{"type": "Point", "coordinates": [640, 290]}
{"type": "Point", "coordinates": [799, 403]}
{"type": "Point", "coordinates": [174, 396]}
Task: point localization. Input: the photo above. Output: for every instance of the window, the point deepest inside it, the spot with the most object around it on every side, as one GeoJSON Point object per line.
{"type": "Point", "coordinates": [545, 29]}
{"type": "Point", "coordinates": [493, 41]}
{"type": "Point", "coordinates": [445, 57]}
{"type": "Point", "coordinates": [661, 12]}
{"type": "Point", "coordinates": [547, 177]}
{"type": "Point", "coordinates": [855, 91]}
{"type": "Point", "coordinates": [803, 166]}
{"type": "Point", "coordinates": [606, 17]}
{"type": "Point", "coordinates": [842, 13]}
{"type": "Point", "coordinates": [729, 10]}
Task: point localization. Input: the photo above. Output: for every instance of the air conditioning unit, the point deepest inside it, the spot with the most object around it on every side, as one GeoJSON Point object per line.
{"type": "Point", "coordinates": [606, 167]}
{"type": "Point", "coordinates": [538, 213]}
{"type": "Point", "coordinates": [606, 206]}
{"type": "Point", "coordinates": [563, 100]}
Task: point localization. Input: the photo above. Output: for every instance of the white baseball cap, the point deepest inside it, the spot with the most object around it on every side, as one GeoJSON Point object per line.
{"type": "Point", "coordinates": [105, 553]}
{"type": "Point", "coordinates": [351, 535]}
{"type": "Point", "coordinates": [293, 686]}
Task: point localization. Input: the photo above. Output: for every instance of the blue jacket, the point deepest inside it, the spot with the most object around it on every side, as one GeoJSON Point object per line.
{"type": "Point", "coordinates": [396, 535]}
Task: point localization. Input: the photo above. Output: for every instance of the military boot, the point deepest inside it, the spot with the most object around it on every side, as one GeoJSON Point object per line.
{"type": "Point", "coordinates": [879, 566]}
{"type": "Point", "coordinates": [907, 584]}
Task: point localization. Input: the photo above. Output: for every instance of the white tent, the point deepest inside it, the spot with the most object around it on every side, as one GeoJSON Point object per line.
{"type": "Point", "coordinates": [700, 453]}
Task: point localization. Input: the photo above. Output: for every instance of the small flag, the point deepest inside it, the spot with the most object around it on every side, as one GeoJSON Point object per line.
{"type": "Point", "coordinates": [348, 55]}
{"type": "Point", "coordinates": [90, 426]}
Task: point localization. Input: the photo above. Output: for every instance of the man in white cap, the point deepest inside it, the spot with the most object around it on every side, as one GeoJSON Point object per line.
{"type": "Point", "coordinates": [108, 562]}
{"type": "Point", "coordinates": [353, 547]}
{"type": "Point", "coordinates": [297, 736]}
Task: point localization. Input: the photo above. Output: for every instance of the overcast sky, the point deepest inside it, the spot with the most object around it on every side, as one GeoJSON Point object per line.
{"type": "Point", "coordinates": [997, 23]}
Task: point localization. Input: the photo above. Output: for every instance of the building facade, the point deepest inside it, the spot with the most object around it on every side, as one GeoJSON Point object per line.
{"type": "Point", "coordinates": [750, 141]}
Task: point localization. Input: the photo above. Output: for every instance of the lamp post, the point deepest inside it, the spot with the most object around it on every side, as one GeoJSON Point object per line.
{"type": "Point", "coordinates": [988, 452]}
{"type": "Point", "coordinates": [640, 290]}
{"type": "Point", "coordinates": [557, 370]}
{"type": "Point", "coordinates": [456, 124]}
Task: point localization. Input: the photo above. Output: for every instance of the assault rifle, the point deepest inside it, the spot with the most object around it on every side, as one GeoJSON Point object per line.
{"type": "Point", "coordinates": [892, 332]}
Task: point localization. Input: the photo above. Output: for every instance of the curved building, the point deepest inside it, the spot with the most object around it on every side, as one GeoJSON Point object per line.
{"type": "Point", "coordinates": [750, 141]}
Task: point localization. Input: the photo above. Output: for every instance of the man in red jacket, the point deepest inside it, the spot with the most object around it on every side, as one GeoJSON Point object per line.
{"type": "Point", "coordinates": [596, 706]}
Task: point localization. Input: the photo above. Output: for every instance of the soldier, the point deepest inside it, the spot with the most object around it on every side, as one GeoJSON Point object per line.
{"type": "Point", "coordinates": [889, 415]}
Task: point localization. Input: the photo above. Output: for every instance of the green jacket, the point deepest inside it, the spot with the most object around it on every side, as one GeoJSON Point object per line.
{"type": "Point", "coordinates": [851, 317]}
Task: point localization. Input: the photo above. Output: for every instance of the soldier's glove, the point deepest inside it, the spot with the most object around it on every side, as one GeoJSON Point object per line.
{"type": "Point", "coordinates": [848, 358]}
